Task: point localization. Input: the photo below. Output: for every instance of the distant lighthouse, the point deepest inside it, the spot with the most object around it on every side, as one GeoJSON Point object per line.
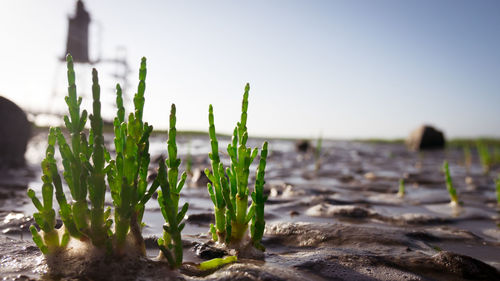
{"type": "Point", "coordinates": [78, 35]}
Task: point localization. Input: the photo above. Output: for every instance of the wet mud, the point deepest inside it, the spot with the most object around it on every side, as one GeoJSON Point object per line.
{"type": "Point", "coordinates": [343, 221]}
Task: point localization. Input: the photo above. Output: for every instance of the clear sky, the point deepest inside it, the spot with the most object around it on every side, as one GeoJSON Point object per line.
{"type": "Point", "coordinates": [345, 69]}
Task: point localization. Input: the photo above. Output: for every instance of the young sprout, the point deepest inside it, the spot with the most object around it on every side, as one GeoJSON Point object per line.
{"type": "Point", "coordinates": [317, 153]}
{"type": "Point", "coordinates": [449, 185]}
{"type": "Point", "coordinates": [230, 195]}
{"type": "Point", "coordinates": [401, 191]}
{"type": "Point", "coordinates": [168, 198]}
{"type": "Point", "coordinates": [484, 156]}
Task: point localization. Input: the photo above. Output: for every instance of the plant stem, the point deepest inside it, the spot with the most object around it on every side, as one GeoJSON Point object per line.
{"type": "Point", "coordinates": [449, 184]}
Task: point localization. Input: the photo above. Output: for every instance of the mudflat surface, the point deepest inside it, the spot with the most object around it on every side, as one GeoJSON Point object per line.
{"type": "Point", "coordinates": [342, 221]}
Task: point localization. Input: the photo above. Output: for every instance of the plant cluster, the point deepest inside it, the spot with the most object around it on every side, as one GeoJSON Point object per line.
{"type": "Point", "coordinates": [229, 194]}
{"type": "Point", "coordinates": [87, 164]}
{"type": "Point", "coordinates": [89, 169]}
{"type": "Point", "coordinates": [83, 160]}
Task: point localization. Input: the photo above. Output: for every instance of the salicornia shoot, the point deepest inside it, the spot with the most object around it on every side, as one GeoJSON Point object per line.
{"type": "Point", "coordinates": [215, 187]}
{"type": "Point", "coordinates": [449, 184]}
{"type": "Point", "coordinates": [49, 242]}
{"type": "Point", "coordinates": [484, 156]}
{"type": "Point", "coordinates": [258, 200]}
{"type": "Point", "coordinates": [401, 191]}
{"type": "Point", "coordinates": [127, 174]}
{"type": "Point", "coordinates": [230, 194]}
{"type": "Point", "coordinates": [168, 198]}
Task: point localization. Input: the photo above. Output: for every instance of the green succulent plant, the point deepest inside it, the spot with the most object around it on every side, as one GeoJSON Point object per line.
{"type": "Point", "coordinates": [168, 198]}
{"type": "Point", "coordinates": [229, 194]}
{"type": "Point", "coordinates": [401, 191]}
{"type": "Point", "coordinates": [449, 184]}
{"type": "Point", "coordinates": [86, 164]}
{"type": "Point", "coordinates": [484, 156]}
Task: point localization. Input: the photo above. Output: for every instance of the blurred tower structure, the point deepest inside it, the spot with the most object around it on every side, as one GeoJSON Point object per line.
{"type": "Point", "coordinates": [80, 31]}
{"type": "Point", "coordinates": [77, 43]}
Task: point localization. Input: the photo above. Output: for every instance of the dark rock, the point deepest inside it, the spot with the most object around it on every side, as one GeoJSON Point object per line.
{"type": "Point", "coordinates": [151, 242]}
{"type": "Point", "coordinates": [201, 218]}
{"type": "Point", "coordinates": [302, 145]}
{"type": "Point", "coordinates": [199, 179]}
{"type": "Point", "coordinates": [31, 221]}
{"type": "Point", "coordinates": [207, 252]}
{"type": "Point", "coordinates": [158, 158]}
{"type": "Point", "coordinates": [425, 137]}
{"type": "Point", "coordinates": [152, 175]}
{"type": "Point", "coordinates": [15, 131]}
{"type": "Point", "coordinates": [200, 160]}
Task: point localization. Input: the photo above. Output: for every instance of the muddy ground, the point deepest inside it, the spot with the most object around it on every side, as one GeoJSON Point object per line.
{"type": "Point", "coordinates": [342, 221]}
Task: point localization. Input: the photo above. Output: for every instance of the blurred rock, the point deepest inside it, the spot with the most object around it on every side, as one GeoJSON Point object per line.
{"type": "Point", "coordinates": [152, 175]}
{"type": "Point", "coordinates": [425, 137]}
{"type": "Point", "coordinates": [201, 218]}
{"type": "Point", "coordinates": [15, 131]}
{"type": "Point", "coordinates": [199, 179]}
{"type": "Point", "coordinates": [156, 159]}
{"type": "Point", "coordinates": [302, 145]}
